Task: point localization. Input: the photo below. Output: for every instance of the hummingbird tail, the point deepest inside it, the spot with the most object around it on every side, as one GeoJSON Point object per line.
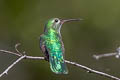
{"type": "Point", "coordinates": [58, 65]}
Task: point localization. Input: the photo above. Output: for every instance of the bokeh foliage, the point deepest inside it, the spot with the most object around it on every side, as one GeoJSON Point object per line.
{"type": "Point", "coordinates": [23, 21]}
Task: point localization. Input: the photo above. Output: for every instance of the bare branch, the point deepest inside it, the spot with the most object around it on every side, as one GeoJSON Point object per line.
{"type": "Point", "coordinates": [104, 55]}
{"type": "Point", "coordinates": [6, 71]}
{"type": "Point", "coordinates": [42, 58]}
{"type": "Point", "coordinates": [36, 58]}
{"type": "Point", "coordinates": [92, 70]}
{"type": "Point", "coordinates": [10, 52]}
{"type": "Point", "coordinates": [116, 54]}
{"type": "Point", "coordinates": [16, 48]}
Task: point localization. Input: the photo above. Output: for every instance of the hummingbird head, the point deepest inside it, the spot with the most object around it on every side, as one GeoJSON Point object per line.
{"type": "Point", "coordinates": [56, 23]}
{"type": "Point", "coordinates": [53, 24]}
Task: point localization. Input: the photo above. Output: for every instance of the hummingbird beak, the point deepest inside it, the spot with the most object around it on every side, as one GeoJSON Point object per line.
{"type": "Point", "coordinates": [69, 20]}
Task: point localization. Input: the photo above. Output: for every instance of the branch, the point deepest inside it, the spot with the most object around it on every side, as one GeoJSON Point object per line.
{"type": "Point", "coordinates": [104, 55]}
{"type": "Point", "coordinates": [89, 70]}
{"type": "Point", "coordinates": [6, 71]}
{"type": "Point", "coordinates": [21, 56]}
{"type": "Point", "coordinates": [116, 54]}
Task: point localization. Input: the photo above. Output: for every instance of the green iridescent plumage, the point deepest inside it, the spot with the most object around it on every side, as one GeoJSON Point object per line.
{"type": "Point", "coordinates": [52, 46]}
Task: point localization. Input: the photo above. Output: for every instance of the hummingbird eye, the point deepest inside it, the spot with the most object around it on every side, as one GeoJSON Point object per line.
{"type": "Point", "coordinates": [56, 20]}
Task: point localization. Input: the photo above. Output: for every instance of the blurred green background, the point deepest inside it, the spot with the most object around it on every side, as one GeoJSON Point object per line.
{"type": "Point", "coordinates": [23, 21]}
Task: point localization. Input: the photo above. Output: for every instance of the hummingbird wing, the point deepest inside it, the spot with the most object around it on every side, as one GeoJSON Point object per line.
{"type": "Point", "coordinates": [56, 57]}
{"type": "Point", "coordinates": [54, 53]}
{"type": "Point", "coordinates": [43, 47]}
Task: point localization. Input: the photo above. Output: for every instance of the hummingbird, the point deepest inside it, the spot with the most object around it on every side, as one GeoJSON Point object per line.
{"type": "Point", "coordinates": [52, 45]}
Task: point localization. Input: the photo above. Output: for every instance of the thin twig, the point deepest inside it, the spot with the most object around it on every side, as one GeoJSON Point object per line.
{"type": "Point", "coordinates": [69, 62]}
{"type": "Point", "coordinates": [10, 52]}
{"type": "Point", "coordinates": [6, 70]}
{"type": "Point", "coordinates": [116, 54]}
{"type": "Point", "coordinates": [104, 55]}
{"type": "Point", "coordinates": [92, 70]}
{"type": "Point", "coordinates": [16, 48]}
{"type": "Point", "coordinates": [36, 58]}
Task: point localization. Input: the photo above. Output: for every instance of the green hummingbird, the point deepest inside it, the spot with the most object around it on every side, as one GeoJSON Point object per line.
{"type": "Point", "coordinates": [52, 45]}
